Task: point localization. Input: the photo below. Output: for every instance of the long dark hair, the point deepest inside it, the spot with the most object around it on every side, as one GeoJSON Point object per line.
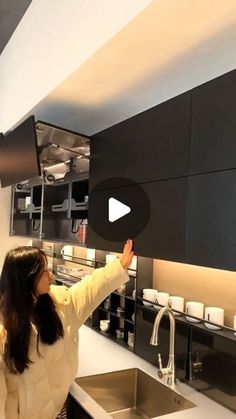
{"type": "Point", "coordinates": [21, 272]}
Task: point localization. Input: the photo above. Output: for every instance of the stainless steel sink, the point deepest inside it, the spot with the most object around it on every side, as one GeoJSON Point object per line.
{"type": "Point", "coordinates": [132, 393]}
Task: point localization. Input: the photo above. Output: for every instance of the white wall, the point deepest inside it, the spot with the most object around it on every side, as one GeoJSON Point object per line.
{"type": "Point", "coordinates": [7, 242]}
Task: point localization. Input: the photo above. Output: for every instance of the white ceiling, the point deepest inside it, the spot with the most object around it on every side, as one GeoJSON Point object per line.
{"type": "Point", "coordinates": [170, 47]}
{"type": "Point", "coordinates": [11, 12]}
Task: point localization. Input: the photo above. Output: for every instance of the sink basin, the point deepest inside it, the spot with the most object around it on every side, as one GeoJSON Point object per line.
{"type": "Point", "coordinates": [132, 393]}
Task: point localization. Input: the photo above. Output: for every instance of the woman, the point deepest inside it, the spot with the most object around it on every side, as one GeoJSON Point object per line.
{"type": "Point", "coordinates": [39, 330]}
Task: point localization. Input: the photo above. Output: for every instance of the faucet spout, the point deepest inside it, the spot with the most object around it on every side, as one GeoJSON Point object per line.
{"type": "Point", "coordinates": [170, 369]}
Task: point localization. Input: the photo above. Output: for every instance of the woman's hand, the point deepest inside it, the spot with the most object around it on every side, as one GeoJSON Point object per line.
{"type": "Point", "coordinates": [127, 255]}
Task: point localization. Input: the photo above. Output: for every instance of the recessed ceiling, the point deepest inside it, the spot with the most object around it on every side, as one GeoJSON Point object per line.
{"type": "Point", "coordinates": [11, 13]}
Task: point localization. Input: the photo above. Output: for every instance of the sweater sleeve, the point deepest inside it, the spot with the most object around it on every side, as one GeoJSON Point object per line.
{"type": "Point", "coordinates": [93, 289]}
{"type": "Point", "coordinates": [3, 394]}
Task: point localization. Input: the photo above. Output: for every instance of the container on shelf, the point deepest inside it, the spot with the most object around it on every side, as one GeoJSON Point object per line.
{"type": "Point", "coordinates": [120, 311]}
{"type": "Point", "coordinates": [120, 333]}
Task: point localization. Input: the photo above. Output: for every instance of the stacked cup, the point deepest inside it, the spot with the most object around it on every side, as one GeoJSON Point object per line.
{"type": "Point", "coordinates": [149, 294]}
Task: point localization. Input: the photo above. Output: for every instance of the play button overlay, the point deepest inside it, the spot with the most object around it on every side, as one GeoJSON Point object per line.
{"type": "Point", "coordinates": [118, 209]}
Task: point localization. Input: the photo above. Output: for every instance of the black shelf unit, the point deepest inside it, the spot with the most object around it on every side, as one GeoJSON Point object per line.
{"type": "Point", "coordinates": [125, 322]}
{"type": "Point", "coordinates": [26, 211]}
{"type": "Point", "coordinates": [52, 212]}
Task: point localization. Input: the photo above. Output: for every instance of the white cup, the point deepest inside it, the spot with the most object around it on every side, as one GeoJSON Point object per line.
{"type": "Point", "coordinates": [214, 315]}
{"type": "Point", "coordinates": [196, 309]}
{"type": "Point", "coordinates": [104, 325]}
{"type": "Point", "coordinates": [67, 251]}
{"type": "Point", "coordinates": [131, 339]}
{"type": "Point", "coordinates": [110, 258]}
{"type": "Point", "coordinates": [163, 298]}
{"type": "Point", "coordinates": [235, 324]}
{"type": "Point", "coordinates": [176, 303]}
{"type": "Point", "coordinates": [149, 294]}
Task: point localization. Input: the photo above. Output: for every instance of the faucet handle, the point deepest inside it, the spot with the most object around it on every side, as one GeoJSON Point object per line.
{"type": "Point", "coordinates": [159, 361]}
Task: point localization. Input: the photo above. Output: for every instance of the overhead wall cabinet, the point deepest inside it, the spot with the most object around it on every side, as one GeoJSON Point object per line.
{"type": "Point", "coordinates": [150, 146]}
{"type": "Point", "coordinates": [170, 151]}
{"type": "Point", "coordinates": [26, 211]}
{"type": "Point", "coordinates": [54, 205]}
{"type": "Point", "coordinates": [213, 126]}
{"type": "Point", "coordinates": [165, 232]}
{"type": "Point", "coordinates": [53, 212]}
{"type": "Point", "coordinates": [212, 220]}
{"type": "Point", "coordinates": [182, 154]}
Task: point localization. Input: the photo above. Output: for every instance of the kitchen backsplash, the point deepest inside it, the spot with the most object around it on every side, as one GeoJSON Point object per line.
{"type": "Point", "coordinates": [212, 287]}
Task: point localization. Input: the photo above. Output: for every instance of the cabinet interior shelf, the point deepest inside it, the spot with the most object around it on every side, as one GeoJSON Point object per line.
{"type": "Point", "coordinates": [36, 210]}
{"type": "Point", "coordinates": [129, 321]}
{"type": "Point", "coordinates": [112, 337]}
{"type": "Point", "coordinates": [61, 207]}
{"type": "Point", "coordinates": [66, 282]}
{"type": "Point", "coordinates": [75, 259]}
{"type": "Point", "coordinates": [116, 315]}
{"type": "Point", "coordinates": [123, 295]}
{"type": "Point", "coordinates": [62, 274]}
{"type": "Point", "coordinates": [78, 206]}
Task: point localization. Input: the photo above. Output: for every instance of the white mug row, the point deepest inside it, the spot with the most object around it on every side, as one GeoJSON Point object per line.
{"type": "Point", "coordinates": [192, 308]}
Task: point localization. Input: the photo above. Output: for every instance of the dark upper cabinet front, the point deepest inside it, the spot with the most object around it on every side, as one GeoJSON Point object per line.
{"type": "Point", "coordinates": [212, 220]}
{"type": "Point", "coordinates": [164, 236]}
{"type": "Point", "coordinates": [150, 146]}
{"type": "Point", "coordinates": [213, 127]}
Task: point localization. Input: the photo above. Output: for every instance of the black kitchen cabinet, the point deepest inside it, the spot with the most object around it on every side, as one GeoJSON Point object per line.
{"type": "Point", "coordinates": [212, 220]}
{"type": "Point", "coordinates": [164, 236]}
{"type": "Point", "coordinates": [56, 224]}
{"type": "Point", "coordinates": [26, 211]}
{"type": "Point", "coordinates": [149, 146]}
{"type": "Point", "coordinates": [53, 212]}
{"type": "Point", "coordinates": [213, 126]}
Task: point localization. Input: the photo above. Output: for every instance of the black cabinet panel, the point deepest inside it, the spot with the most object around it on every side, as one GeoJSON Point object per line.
{"type": "Point", "coordinates": [164, 236]}
{"type": "Point", "coordinates": [150, 146]}
{"type": "Point", "coordinates": [212, 220]}
{"type": "Point", "coordinates": [213, 128]}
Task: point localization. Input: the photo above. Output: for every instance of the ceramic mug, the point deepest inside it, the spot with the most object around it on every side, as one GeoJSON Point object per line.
{"type": "Point", "coordinates": [163, 298]}
{"type": "Point", "coordinates": [110, 258]}
{"type": "Point", "coordinates": [214, 315]}
{"type": "Point", "coordinates": [196, 309]}
{"type": "Point", "coordinates": [104, 325]}
{"type": "Point", "coordinates": [149, 294]}
{"type": "Point", "coordinates": [176, 303]}
{"type": "Point", "coordinates": [67, 251]}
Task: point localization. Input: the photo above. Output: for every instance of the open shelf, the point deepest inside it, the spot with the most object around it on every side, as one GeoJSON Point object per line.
{"type": "Point", "coordinates": [112, 337]}
{"type": "Point", "coordinates": [225, 331]}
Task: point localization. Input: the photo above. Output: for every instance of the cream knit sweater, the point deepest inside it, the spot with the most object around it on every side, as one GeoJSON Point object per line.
{"type": "Point", "coordinates": [39, 393]}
